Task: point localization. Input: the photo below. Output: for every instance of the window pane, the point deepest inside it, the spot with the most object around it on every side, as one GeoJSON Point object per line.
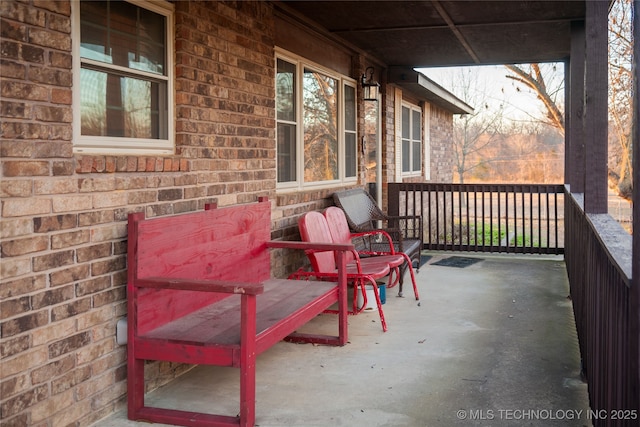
{"type": "Point", "coordinates": [406, 123]}
{"type": "Point", "coordinates": [406, 156]}
{"type": "Point", "coordinates": [121, 106]}
{"type": "Point", "coordinates": [286, 152]}
{"type": "Point", "coordinates": [416, 125]}
{"type": "Point", "coordinates": [286, 91]}
{"type": "Point", "coordinates": [320, 127]}
{"type": "Point", "coordinates": [123, 34]}
{"type": "Point", "coordinates": [416, 167]}
{"type": "Point", "coordinates": [93, 29]}
{"type": "Point", "coordinates": [350, 155]}
{"type": "Point", "coordinates": [349, 108]}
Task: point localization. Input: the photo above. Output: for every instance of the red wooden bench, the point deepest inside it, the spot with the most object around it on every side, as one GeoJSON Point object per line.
{"type": "Point", "coordinates": [200, 292]}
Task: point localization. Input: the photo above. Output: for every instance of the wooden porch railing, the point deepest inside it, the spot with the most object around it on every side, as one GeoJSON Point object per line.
{"type": "Point", "coordinates": [597, 252]}
{"type": "Point", "coordinates": [504, 218]}
{"type": "Point", "coordinates": [598, 258]}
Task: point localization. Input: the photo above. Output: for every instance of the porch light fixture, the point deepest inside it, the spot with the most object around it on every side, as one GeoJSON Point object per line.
{"type": "Point", "coordinates": [370, 87]}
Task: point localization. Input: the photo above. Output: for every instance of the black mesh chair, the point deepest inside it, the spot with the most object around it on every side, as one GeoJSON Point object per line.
{"type": "Point", "coordinates": [363, 214]}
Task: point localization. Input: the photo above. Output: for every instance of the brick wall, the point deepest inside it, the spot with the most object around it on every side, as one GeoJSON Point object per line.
{"type": "Point", "coordinates": [64, 216]}
{"type": "Point", "coordinates": [441, 134]}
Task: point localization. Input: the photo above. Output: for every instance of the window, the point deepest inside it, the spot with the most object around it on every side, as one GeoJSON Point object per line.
{"type": "Point", "coordinates": [124, 72]}
{"type": "Point", "coordinates": [316, 125]}
{"type": "Point", "coordinates": [411, 140]}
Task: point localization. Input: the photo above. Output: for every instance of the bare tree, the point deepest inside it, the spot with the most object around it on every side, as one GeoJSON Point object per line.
{"type": "Point", "coordinates": [534, 77]}
{"type": "Point", "coordinates": [474, 132]}
{"type": "Point", "coordinates": [620, 95]}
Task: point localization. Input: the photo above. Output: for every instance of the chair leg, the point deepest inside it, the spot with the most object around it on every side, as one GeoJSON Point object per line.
{"type": "Point", "coordinates": [379, 303]}
{"type": "Point", "coordinates": [376, 293]}
{"type": "Point", "coordinates": [409, 266]}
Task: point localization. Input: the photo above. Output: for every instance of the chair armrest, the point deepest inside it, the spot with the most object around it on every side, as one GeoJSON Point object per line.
{"type": "Point", "coordinates": [414, 232]}
{"type": "Point", "coordinates": [220, 286]}
{"type": "Point", "coordinates": [384, 234]}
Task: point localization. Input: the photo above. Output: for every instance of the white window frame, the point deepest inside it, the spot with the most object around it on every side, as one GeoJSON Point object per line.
{"type": "Point", "coordinates": [122, 145]}
{"type": "Point", "coordinates": [299, 183]}
{"type": "Point", "coordinates": [412, 108]}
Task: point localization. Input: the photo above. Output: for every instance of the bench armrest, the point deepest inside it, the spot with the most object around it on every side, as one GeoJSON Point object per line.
{"type": "Point", "coordinates": [319, 247]}
{"type": "Point", "coordinates": [220, 286]}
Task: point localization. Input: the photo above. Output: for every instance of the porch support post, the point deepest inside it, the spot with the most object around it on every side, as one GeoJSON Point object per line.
{"type": "Point", "coordinates": [635, 257]}
{"type": "Point", "coordinates": [574, 121]}
{"type": "Point", "coordinates": [595, 101]}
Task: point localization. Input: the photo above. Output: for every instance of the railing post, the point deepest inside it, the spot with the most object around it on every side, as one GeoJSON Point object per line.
{"type": "Point", "coordinates": [596, 123]}
{"type": "Point", "coordinates": [393, 199]}
{"type": "Point", "coordinates": [574, 135]}
{"type": "Point", "coordinates": [635, 256]}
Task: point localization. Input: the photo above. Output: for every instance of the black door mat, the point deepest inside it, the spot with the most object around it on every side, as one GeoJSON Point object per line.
{"type": "Point", "coordinates": [457, 261]}
{"type": "Point", "coordinates": [424, 259]}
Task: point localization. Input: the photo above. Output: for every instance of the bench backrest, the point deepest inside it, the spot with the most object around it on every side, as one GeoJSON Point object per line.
{"type": "Point", "coordinates": [216, 244]}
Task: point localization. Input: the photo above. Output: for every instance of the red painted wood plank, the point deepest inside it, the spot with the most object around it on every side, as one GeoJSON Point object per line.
{"type": "Point", "coordinates": [204, 285]}
{"type": "Point", "coordinates": [185, 418]}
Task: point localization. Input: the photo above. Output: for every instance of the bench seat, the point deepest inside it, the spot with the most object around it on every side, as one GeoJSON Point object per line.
{"type": "Point", "coordinates": [290, 303]}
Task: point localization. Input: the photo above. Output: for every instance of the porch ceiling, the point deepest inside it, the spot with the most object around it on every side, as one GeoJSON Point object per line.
{"type": "Point", "coordinates": [431, 33]}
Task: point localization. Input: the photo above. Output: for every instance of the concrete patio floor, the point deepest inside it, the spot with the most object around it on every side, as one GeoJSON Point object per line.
{"type": "Point", "coordinates": [491, 344]}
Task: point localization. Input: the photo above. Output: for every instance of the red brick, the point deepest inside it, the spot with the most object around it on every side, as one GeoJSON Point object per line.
{"type": "Point", "coordinates": [93, 252]}
{"type": "Point", "coordinates": [25, 323]}
{"type": "Point", "coordinates": [46, 224]}
{"type": "Point", "coordinates": [70, 274]}
{"type": "Point", "coordinates": [26, 168]}
{"type": "Point", "coordinates": [52, 297]}
{"type": "Point", "coordinates": [9, 347]}
{"type": "Point", "coordinates": [18, 247]}
{"type": "Point", "coordinates": [52, 370]}
{"type": "Point", "coordinates": [25, 400]}
{"type": "Point", "coordinates": [71, 309]}
{"type": "Point", "coordinates": [54, 260]}
{"type": "Point", "coordinates": [69, 344]}
{"type": "Point", "coordinates": [13, 307]}
{"type": "Point", "coordinates": [22, 286]}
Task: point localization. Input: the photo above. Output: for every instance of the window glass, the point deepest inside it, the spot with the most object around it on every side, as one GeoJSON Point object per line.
{"type": "Point", "coordinates": [286, 90]}
{"type": "Point", "coordinates": [406, 156]}
{"type": "Point", "coordinates": [411, 139]}
{"type": "Point", "coordinates": [416, 134]}
{"type": "Point", "coordinates": [286, 152]}
{"type": "Point", "coordinates": [350, 155]}
{"type": "Point", "coordinates": [123, 81]}
{"type": "Point", "coordinates": [119, 106]}
{"type": "Point", "coordinates": [320, 127]}
{"type": "Point", "coordinates": [415, 157]}
{"type": "Point", "coordinates": [406, 123]}
{"type": "Point", "coordinates": [351, 160]}
{"type": "Point", "coordinates": [316, 125]}
{"type": "Point", "coordinates": [349, 108]}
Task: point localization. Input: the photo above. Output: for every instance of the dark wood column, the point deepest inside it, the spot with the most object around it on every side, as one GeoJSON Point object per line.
{"type": "Point", "coordinates": [596, 117]}
{"type": "Point", "coordinates": [574, 116]}
{"type": "Point", "coordinates": [635, 257]}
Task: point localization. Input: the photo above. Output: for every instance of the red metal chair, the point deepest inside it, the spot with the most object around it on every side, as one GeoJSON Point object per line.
{"type": "Point", "coordinates": [314, 228]}
{"type": "Point", "coordinates": [340, 233]}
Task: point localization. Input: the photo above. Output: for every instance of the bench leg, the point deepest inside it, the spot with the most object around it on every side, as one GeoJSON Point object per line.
{"type": "Point", "coordinates": [247, 361]}
{"type": "Point", "coordinates": [135, 386]}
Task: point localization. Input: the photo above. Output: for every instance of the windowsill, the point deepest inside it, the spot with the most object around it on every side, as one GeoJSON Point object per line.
{"type": "Point", "coordinates": [101, 163]}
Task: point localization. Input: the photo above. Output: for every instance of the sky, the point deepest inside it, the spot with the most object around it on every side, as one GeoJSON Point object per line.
{"type": "Point", "coordinates": [494, 88]}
